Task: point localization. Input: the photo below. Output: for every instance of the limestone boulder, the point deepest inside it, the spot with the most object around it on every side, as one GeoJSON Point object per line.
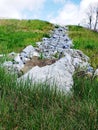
{"type": "Point", "coordinates": [59, 74]}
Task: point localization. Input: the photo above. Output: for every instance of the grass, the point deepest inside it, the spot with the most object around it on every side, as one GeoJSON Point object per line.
{"type": "Point", "coordinates": [87, 41]}
{"type": "Point", "coordinates": [17, 34]}
{"type": "Point", "coordinates": [37, 107]}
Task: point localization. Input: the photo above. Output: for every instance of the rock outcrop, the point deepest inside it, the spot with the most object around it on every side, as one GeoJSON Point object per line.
{"type": "Point", "coordinates": [59, 72]}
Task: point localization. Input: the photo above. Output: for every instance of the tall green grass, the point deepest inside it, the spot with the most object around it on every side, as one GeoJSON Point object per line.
{"type": "Point", "coordinates": [37, 107]}
{"type": "Point", "coordinates": [17, 34]}
{"type": "Point", "coordinates": [87, 41]}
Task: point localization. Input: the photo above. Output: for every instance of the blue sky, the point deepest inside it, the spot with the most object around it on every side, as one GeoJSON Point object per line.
{"type": "Point", "coordinates": [56, 11]}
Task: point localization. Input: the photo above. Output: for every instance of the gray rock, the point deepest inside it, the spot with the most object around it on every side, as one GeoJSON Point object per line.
{"type": "Point", "coordinates": [53, 75]}
{"type": "Point", "coordinates": [7, 63]}
{"type": "Point", "coordinates": [96, 73]}
{"type": "Point", "coordinates": [58, 41]}
{"type": "Point", "coordinates": [12, 54]}
{"type": "Point", "coordinates": [18, 60]}
{"type": "Point", "coordinates": [28, 52]}
{"type": "Point", "coordinates": [90, 69]}
{"type": "Point", "coordinates": [1, 55]}
{"type": "Point", "coordinates": [60, 73]}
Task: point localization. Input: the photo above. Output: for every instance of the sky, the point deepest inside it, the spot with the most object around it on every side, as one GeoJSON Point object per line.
{"type": "Point", "coordinates": [63, 12]}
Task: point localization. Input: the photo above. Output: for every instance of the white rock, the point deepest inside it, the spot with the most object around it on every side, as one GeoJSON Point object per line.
{"type": "Point", "coordinates": [1, 55]}
{"type": "Point", "coordinates": [60, 73]}
{"type": "Point", "coordinates": [55, 74]}
{"type": "Point", "coordinates": [28, 49]}
{"type": "Point", "coordinates": [35, 53]}
{"type": "Point", "coordinates": [18, 67]}
{"type": "Point", "coordinates": [12, 54]}
{"type": "Point", "coordinates": [96, 73]}
{"type": "Point", "coordinates": [18, 60]}
{"type": "Point", "coordinates": [7, 64]}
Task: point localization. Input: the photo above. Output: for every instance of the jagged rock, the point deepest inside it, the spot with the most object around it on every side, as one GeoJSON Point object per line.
{"type": "Point", "coordinates": [1, 55]}
{"type": "Point", "coordinates": [28, 52]}
{"type": "Point", "coordinates": [59, 73]}
{"type": "Point", "coordinates": [20, 59]}
{"type": "Point", "coordinates": [7, 64]}
{"type": "Point", "coordinates": [58, 41]}
{"type": "Point", "coordinates": [89, 74]}
{"type": "Point", "coordinates": [96, 73]}
{"type": "Point", "coordinates": [12, 54]}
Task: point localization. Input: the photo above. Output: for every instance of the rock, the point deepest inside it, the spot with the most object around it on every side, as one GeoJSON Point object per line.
{"type": "Point", "coordinates": [18, 60]}
{"type": "Point", "coordinates": [52, 74]}
{"type": "Point", "coordinates": [58, 41]}
{"type": "Point", "coordinates": [90, 69]}
{"type": "Point", "coordinates": [12, 67]}
{"type": "Point", "coordinates": [12, 54]}
{"type": "Point", "coordinates": [1, 55]}
{"type": "Point", "coordinates": [7, 63]}
{"type": "Point", "coordinates": [89, 74]}
{"type": "Point", "coordinates": [96, 73]}
{"type": "Point", "coordinates": [28, 52]}
{"type": "Point", "coordinates": [59, 73]}
{"type": "Point", "coordinates": [36, 61]}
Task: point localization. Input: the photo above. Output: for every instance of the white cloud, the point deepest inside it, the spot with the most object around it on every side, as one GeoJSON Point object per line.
{"type": "Point", "coordinates": [85, 3]}
{"type": "Point", "coordinates": [67, 15]}
{"type": "Point", "coordinates": [71, 13]}
{"type": "Point", "coordinates": [14, 8]}
{"type": "Point", "coordinates": [59, 1]}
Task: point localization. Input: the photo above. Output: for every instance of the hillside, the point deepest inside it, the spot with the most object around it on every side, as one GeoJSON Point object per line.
{"type": "Point", "coordinates": [17, 34]}
{"type": "Point", "coordinates": [38, 106]}
{"type": "Point", "coordinates": [87, 41]}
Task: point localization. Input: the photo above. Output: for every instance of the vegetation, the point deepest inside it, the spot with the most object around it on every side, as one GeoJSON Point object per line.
{"type": "Point", "coordinates": [37, 106]}
{"type": "Point", "coordinates": [17, 34]}
{"type": "Point", "coordinates": [87, 41]}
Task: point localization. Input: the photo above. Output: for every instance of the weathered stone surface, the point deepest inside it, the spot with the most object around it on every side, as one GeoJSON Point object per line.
{"type": "Point", "coordinates": [59, 73]}
{"type": "Point", "coordinates": [58, 41]}
{"type": "Point", "coordinates": [1, 55]}
{"type": "Point", "coordinates": [20, 59]}
{"type": "Point", "coordinates": [55, 74]}
{"type": "Point", "coordinates": [96, 73]}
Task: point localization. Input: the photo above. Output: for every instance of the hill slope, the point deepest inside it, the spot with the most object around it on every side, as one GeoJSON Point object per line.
{"type": "Point", "coordinates": [87, 41]}
{"type": "Point", "coordinates": [37, 107]}
{"type": "Point", "coordinates": [17, 34]}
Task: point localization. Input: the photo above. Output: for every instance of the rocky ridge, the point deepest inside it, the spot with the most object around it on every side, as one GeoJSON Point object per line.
{"type": "Point", "coordinates": [61, 61]}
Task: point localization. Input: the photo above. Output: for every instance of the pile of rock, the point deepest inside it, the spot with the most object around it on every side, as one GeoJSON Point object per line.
{"type": "Point", "coordinates": [20, 59]}
{"type": "Point", "coordinates": [56, 44]}
{"type": "Point", "coordinates": [60, 73]}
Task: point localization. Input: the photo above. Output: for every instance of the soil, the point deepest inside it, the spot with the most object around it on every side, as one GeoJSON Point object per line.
{"type": "Point", "coordinates": [36, 61]}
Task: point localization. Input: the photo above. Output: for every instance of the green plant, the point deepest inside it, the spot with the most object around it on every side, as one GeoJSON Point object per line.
{"type": "Point", "coordinates": [41, 56]}
{"type": "Point", "coordinates": [56, 55]}
{"type": "Point", "coordinates": [90, 46]}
